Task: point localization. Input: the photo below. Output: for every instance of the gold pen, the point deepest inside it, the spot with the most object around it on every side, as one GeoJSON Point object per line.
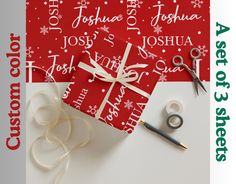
{"type": "Point", "coordinates": [163, 134]}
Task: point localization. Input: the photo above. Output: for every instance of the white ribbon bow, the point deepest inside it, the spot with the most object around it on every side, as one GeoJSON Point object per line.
{"type": "Point", "coordinates": [122, 77]}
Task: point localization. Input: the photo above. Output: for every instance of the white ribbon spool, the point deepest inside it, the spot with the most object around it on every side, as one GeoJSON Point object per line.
{"type": "Point", "coordinates": [55, 103]}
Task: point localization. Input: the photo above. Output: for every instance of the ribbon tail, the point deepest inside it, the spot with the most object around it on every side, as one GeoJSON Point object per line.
{"type": "Point", "coordinates": [136, 66]}
{"type": "Point", "coordinates": [125, 57]}
{"type": "Point", "coordinates": [96, 65]}
{"type": "Point", "coordinates": [99, 111]}
{"type": "Point", "coordinates": [86, 67]}
{"type": "Point", "coordinates": [137, 90]}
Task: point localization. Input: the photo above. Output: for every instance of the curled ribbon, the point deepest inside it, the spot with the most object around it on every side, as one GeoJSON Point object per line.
{"type": "Point", "coordinates": [48, 136]}
{"type": "Point", "coordinates": [123, 77]}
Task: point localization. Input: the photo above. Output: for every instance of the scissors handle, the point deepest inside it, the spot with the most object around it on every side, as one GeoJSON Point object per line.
{"type": "Point", "coordinates": [195, 53]}
{"type": "Point", "coordinates": [178, 61]}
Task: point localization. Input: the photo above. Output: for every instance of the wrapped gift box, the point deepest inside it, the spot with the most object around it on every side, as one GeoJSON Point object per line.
{"type": "Point", "coordinates": [113, 82]}
{"type": "Point", "coordinates": [57, 30]}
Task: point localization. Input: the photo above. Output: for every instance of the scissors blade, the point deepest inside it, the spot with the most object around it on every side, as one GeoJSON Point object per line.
{"type": "Point", "coordinates": [201, 84]}
{"type": "Point", "coordinates": [195, 83]}
{"type": "Point", "coordinates": [194, 67]}
{"type": "Point", "coordinates": [196, 80]}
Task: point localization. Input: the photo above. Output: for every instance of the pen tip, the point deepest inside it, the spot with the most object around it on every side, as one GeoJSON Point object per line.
{"type": "Point", "coordinates": [142, 122]}
{"type": "Point", "coordinates": [183, 146]}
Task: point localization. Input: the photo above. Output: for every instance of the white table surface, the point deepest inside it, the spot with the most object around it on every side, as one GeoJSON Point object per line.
{"type": "Point", "coordinates": [113, 157]}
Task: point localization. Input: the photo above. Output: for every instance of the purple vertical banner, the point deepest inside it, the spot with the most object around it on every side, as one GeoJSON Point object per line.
{"type": "Point", "coordinates": [12, 92]}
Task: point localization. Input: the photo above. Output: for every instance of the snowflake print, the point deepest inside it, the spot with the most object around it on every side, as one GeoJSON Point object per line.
{"type": "Point", "coordinates": [44, 30]}
{"type": "Point", "coordinates": [60, 16]}
{"type": "Point", "coordinates": [116, 62]}
{"type": "Point", "coordinates": [203, 50]}
{"type": "Point", "coordinates": [117, 59]}
{"type": "Point", "coordinates": [105, 28]}
{"type": "Point", "coordinates": [29, 52]}
{"type": "Point", "coordinates": [162, 78]}
{"type": "Point", "coordinates": [197, 3]}
{"type": "Point", "coordinates": [83, 3]}
{"type": "Point", "coordinates": [157, 29]}
{"type": "Point", "coordinates": [92, 109]}
{"type": "Point", "coordinates": [48, 78]}
{"type": "Point", "coordinates": [128, 104]}
{"type": "Point", "coordinates": [137, 3]}
{"type": "Point", "coordinates": [151, 55]}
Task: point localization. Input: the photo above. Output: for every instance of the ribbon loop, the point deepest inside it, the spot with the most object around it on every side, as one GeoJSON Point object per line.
{"type": "Point", "coordinates": [103, 75]}
{"type": "Point", "coordinates": [51, 138]}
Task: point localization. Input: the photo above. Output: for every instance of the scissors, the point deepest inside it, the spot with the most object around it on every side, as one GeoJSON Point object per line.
{"type": "Point", "coordinates": [178, 61]}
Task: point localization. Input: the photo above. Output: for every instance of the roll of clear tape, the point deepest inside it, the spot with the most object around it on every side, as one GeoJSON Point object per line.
{"type": "Point", "coordinates": [174, 106]}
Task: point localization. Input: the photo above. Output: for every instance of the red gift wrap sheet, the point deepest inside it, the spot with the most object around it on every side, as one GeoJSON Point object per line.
{"type": "Point", "coordinates": [57, 30]}
{"type": "Point", "coordinates": [113, 82]}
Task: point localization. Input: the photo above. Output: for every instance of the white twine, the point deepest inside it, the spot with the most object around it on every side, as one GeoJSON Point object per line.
{"type": "Point", "coordinates": [49, 125]}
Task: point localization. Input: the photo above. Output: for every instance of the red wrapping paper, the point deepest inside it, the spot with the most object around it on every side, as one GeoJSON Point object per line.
{"type": "Point", "coordinates": [57, 30]}
{"type": "Point", "coordinates": [124, 104]}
